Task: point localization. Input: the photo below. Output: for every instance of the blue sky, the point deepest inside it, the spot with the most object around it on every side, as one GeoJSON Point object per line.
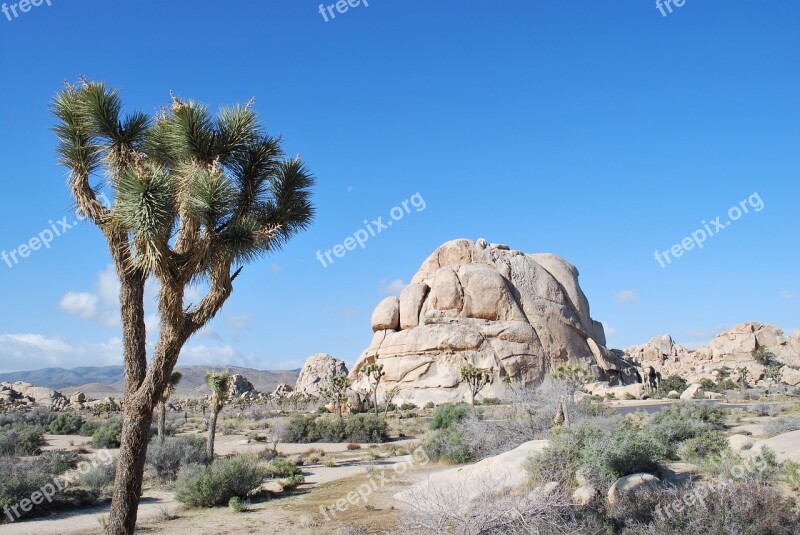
{"type": "Point", "coordinates": [599, 131]}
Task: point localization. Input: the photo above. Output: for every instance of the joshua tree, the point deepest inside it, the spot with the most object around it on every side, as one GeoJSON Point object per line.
{"type": "Point", "coordinates": [174, 378]}
{"type": "Point", "coordinates": [476, 379]}
{"type": "Point", "coordinates": [336, 392]}
{"type": "Point", "coordinates": [573, 375]}
{"type": "Point", "coordinates": [195, 197]}
{"type": "Point", "coordinates": [388, 396]}
{"type": "Point", "coordinates": [219, 383]}
{"type": "Point", "coordinates": [374, 372]}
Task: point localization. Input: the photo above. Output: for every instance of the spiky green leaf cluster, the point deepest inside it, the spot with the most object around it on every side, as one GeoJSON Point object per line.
{"type": "Point", "coordinates": [192, 190]}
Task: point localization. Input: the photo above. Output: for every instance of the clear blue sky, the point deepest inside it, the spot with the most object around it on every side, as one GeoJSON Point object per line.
{"type": "Point", "coordinates": [600, 131]}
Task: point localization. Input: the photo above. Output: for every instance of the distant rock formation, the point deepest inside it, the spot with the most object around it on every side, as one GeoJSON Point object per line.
{"type": "Point", "coordinates": [484, 305]}
{"type": "Point", "coordinates": [316, 372]}
{"type": "Point", "coordinates": [731, 349]}
{"type": "Point", "coordinates": [21, 393]}
{"type": "Point", "coordinates": [238, 386]}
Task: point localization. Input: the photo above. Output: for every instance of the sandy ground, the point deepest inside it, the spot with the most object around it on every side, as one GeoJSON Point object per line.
{"type": "Point", "coordinates": [303, 511]}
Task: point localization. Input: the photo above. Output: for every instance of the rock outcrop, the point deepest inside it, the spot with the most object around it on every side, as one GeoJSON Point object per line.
{"type": "Point", "coordinates": [238, 386]}
{"type": "Point", "coordinates": [21, 393]}
{"type": "Point", "coordinates": [316, 372]}
{"type": "Point", "coordinates": [731, 349]}
{"type": "Point", "coordinates": [483, 305]}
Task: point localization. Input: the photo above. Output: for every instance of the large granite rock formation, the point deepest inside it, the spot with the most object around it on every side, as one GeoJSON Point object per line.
{"type": "Point", "coordinates": [316, 373]}
{"type": "Point", "coordinates": [483, 305]}
{"type": "Point", "coordinates": [731, 349]}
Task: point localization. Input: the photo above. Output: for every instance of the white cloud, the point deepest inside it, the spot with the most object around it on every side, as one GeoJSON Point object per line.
{"type": "Point", "coordinates": [392, 288]}
{"type": "Point", "coordinates": [276, 268]}
{"type": "Point", "coordinates": [238, 322]}
{"type": "Point", "coordinates": [207, 333]}
{"type": "Point", "coordinates": [81, 304]}
{"type": "Point", "coordinates": [201, 354]}
{"type": "Point", "coordinates": [609, 330]}
{"type": "Point", "coordinates": [33, 351]}
{"type": "Point", "coordinates": [789, 296]}
{"type": "Point", "coordinates": [625, 297]}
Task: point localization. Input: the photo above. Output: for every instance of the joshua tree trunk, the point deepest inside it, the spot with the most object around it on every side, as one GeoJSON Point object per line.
{"type": "Point", "coordinates": [212, 432]}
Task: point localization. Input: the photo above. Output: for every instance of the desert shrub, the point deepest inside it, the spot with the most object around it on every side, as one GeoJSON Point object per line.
{"type": "Point", "coordinates": [352, 446]}
{"type": "Point", "coordinates": [684, 421]}
{"type": "Point", "coordinates": [491, 401]}
{"type": "Point", "coordinates": [764, 409]}
{"type": "Point", "coordinates": [99, 477]}
{"type": "Point", "coordinates": [784, 424]}
{"type": "Point", "coordinates": [66, 424]}
{"type": "Point", "coordinates": [449, 414]}
{"type": "Point", "coordinates": [281, 467]}
{"type": "Point", "coordinates": [108, 434]}
{"type": "Point", "coordinates": [292, 482]}
{"type": "Point", "coordinates": [166, 458]}
{"type": "Point", "coordinates": [430, 405]}
{"type": "Point", "coordinates": [741, 507]}
{"type": "Point", "coordinates": [355, 428]}
{"type": "Point", "coordinates": [236, 504]}
{"type": "Point", "coordinates": [217, 483]}
{"type": "Point", "coordinates": [703, 445]}
{"type": "Point", "coordinates": [790, 474]}
{"type": "Point", "coordinates": [763, 356]}
{"type": "Point", "coordinates": [21, 440]}
{"type": "Point", "coordinates": [621, 453]}
{"type": "Point", "coordinates": [19, 479]}
{"type": "Point", "coordinates": [408, 406]}
{"type": "Point", "coordinates": [59, 461]}
{"type": "Point", "coordinates": [673, 382]}
{"type": "Point", "coordinates": [448, 444]}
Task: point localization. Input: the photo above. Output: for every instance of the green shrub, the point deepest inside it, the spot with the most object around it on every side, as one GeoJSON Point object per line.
{"type": "Point", "coordinates": [562, 458]}
{"type": "Point", "coordinates": [407, 406]}
{"type": "Point", "coordinates": [292, 482]}
{"type": "Point", "coordinates": [449, 414]}
{"type": "Point", "coordinates": [21, 440]}
{"type": "Point", "coordinates": [166, 459]}
{"type": "Point", "coordinates": [216, 484]}
{"type": "Point", "coordinates": [703, 445]}
{"type": "Point", "coordinates": [681, 422]}
{"type": "Point", "coordinates": [354, 428]}
{"type": "Point", "coordinates": [448, 444]}
{"type": "Point", "coordinates": [430, 405]}
{"type": "Point", "coordinates": [236, 504]}
{"type": "Point", "coordinates": [19, 479]}
{"type": "Point", "coordinates": [99, 477]}
{"type": "Point", "coordinates": [281, 467]}
{"type": "Point", "coordinates": [784, 424]}
{"type": "Point", "coordinates": [673, 382]}
{"type": "Point", "coordinates": [621, 453]}
{"type": "Point", "coordinates": [66, 424]}
{"type": "Point", "coordinates": [108, 434]}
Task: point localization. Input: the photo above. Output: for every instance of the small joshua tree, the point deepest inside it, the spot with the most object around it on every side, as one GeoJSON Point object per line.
{"type": "Point", "coordinates": [219, 383]}
{"type": "Point", "coordinates": [174, 379]}
{"type": "Point", "coordinates": [573, 375]}
{"type": "Point", "coordinates": [374, 372]}
{"type": "Point", "coordinates": [336, 392]}
{"type": "Point", "coordinates": [476, 379]}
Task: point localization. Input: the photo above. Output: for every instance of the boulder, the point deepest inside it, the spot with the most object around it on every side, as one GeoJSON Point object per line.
{"type": "Point", "coordinates": [316, 373]}
{"type": "Point", "coordinates": [630, 485]}
{"type": "Point", "coordinates": [386, 315]}
{"type": "Point", "coordinates": [673, 394]}
{"type": "Point", "coordinates": [790, 376]}
{"type": "Point", "coordinates": [282, 390]}
{"type": "Point", "coordinates": [694, 391]}
{"type": "Point", "coordinates": [46, 397]}
{"type": "Point", "coordinates": [584, 495]}
{"type": "Point", "coordinates": [465, 484]}
{"type": "Point", "coordinates": [77, 397]}
{"type": "Point", "coordinates": [714, 395]}
{"type": "Point", "coordinates": [476, 304]}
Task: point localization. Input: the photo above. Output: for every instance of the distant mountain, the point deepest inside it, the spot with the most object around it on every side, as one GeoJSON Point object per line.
{"type": "Point", "coordinates": [109, 380]}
